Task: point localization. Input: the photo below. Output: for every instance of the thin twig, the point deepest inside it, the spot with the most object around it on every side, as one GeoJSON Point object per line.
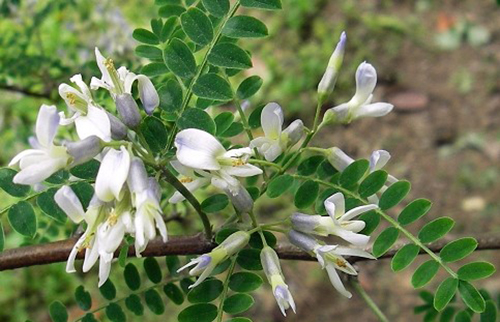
{"type": "Point", "coordinates": [368, 300]}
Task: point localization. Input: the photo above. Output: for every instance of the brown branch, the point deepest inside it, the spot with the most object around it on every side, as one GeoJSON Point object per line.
{"type": "Point", "coordinates": [188, 245]}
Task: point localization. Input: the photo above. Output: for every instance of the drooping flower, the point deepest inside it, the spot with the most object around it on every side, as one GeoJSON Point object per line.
{"type": "Point", "coordinates": [275, 140]}
{"type": "Point", "coordinates": [330, 257]}
{"type": "Point", "coordinates": [205, 264]}
{"type": "Point", "coordinates": [190, 179]}
{"type": "Point", "coordinates": [327, 83]}
{"type": "Point", "coordinates": [112, 174]}
{"type": "Point", "coordinates": [200, 150]}
{"type": "Point", "coordinates": [272, 269]}
{"type": "Point", "coordinates": [338, 223]}
{"type": "Point", "coordinates": [89, 118]}
{"type": "Point", "coordinates": [120, 81]}
{"type": "Point", "coordinates": [45, 158]}
{"type": "Point", "coordinates": [360, 104]}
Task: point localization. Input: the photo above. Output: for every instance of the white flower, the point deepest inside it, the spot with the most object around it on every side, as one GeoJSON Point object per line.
{"type": "Point", "coordinates": [329, 257]}
{"type": "Point", "coordinates": [360, 104]}
{"type": "Point", "coordinates": [327, 83]}
{"type": "Point", "coordinates": [205, 264]}
{"type": "Point", "coordinates": [275, 140]}
{"type": "Point", "coordinates": [89, 119]}
{"type": "Point", "coordinates": [339, 223]}
{"type": "Point", "coordinates": [112, 174]}
{"type": "Point", "coordinates": [120, 81]}
{"type": "Point", "coordinates": [199, 150]}
{"type": "Point", "coordinates": [45, 159]}
{"type": "Point", "coordinates": [190, 179]}
{"type": "Point", "coordinates": [272, 269]}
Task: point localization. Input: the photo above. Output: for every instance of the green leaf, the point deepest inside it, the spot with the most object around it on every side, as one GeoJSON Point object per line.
{"type": "Point", "coordinates": [168, 28]}
{"type": "Point", "coordinates": [262, 4]}
{"type": "Point", "coordinates": [185, 283]}
{"type": "Point", "coordinates": [471, 297]}
{"type": "Point", "coordinates": [354, 172]}
{"type": "Point", "coordinates": [58, 312]}
{"type": "Point", "coordinates": [223, 234]}
{"type": "Point", "coordinates": [197, 119]}
{"type": "Point", "coordinates": [132, 277]}
{"type": "Point", "coordinates": [249, 259]}
{"type": "Point", "coordinates": [83, 298]}
{"type": "Point", "coordinates": [108, 290]}
{"type": "Point", "coordinates": [256, 240]}
{"type": "Point", "coordinates": [87, 170]}
{"type": "Point", "coordinates": [244, 282]}
{"type": "Point", "coordinates": [173, 264]}
{"type": "Point", "coordinates": [394, 194]}
{"type": "Point", "coordinates": [248, 88]}
{"type": "Point", "coordinates": [115, 313]}
{"type": "Point", "coordinates": [155, 133]}
{"type": "Point", "coordinates": [424, 273]}
{"type": "Point", "coordinates": [447, 314]}
{"type": "Point", "coordinates": [463, 316]}
{"type": "Point", "coordinates": [84, 191]}
{"type": "Point", "coordinates": [156, 26]}
{"type": "Point", "coordinates": [22, 219]}
{"type": "Point", "coordinates": [145, 36]}
{"type": "Point", "coordinates": [215, 203]}
{"type": "Point", "coordinates": [239, 319]}
{"type": "Point", "coordinates": [134, 305]}
{"type": "Point", "coordinates": [59, 177]}
{"type": "Point", "coordinates": [15, 190]}
{"type": "Point", "coordinates": [89, 317]}
{"type": "Point", "coordinates": [309, 165]}
{"type": "Point", "coordinates": [197, 26]}
{"type": "Point", "coordinates": [458, 249]}
{"type": "Point", "coordinates": [384, 241]}
{"type": "Point", "coordinates": [279, 185]}
{"type": "Point", "coordinates": [223, 121]}
{"type": "Point", "coordinates": [214, 87]}
{"type": "Point", "coordinates": [49, 207]}
{"type": "Point", "coordinates": [238, 303]}
{"type": "Point", "coordinates": [206, 292]}
{"type": "Point", "coordinates": [475, 270]}
{"type": "Point", "coordinates": [435, 229]}
{"type": "Point", "coordinates": [170, 10]}
{"type": "Point", "coordinates": [230, 56]}
{"type": "Point", "coordinates": [373, 183]}
{"type": "Point", "coordinates": [490, 312]}
{"type": "Point", "coordinates": [306, 194]}
{"type": "Point", "coordinates": [414, 211]}
{"type": "Point", "coordinates": [445, 293]}
{"type": "Point", "coordinates": [171, 97]}
{"type": "Point", "coordinates": [154, 69]}
{"type": "Point", "coordinates": [174, 293]}
{"type": "Point", "coordinates": [2, 237]}
{"type": "Point", "coordinates": [372, 220]}
{"type": "Point", "coordinates": [153, 270]}
{"type": "Point", "coordinates": [244, 27]}
{"type": "Point", "coordinates": [198, 313]}
{"type": "Point", "coordinates": [179, 59]}
{"type": "Point", "coordinates": [404, 257]}
{"type": "Point", "coordinates": [235, 129]}
{"type": "Point", "coordinates": [217, 8]}
{"type": "Point", "coordinates": [154, 302]}
{"type": "Point", "coordinates": [149, 52]}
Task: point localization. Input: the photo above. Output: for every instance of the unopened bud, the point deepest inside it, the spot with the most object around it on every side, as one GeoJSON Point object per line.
{"type": "Point", "coordinates": [303, 241]}
{"type": "Point", "coordinates": [84, 150]}
{"type": "Point", "coordinates": [305, 223]}
{"type": "Point", "coordinates": [235, 242]}
{"type": "Point", "coordinates": [241, 200]}
{"type": "Point", "coordinates": [338, 159]}
{"type": "Point", "coordinates": [329, 79]}
{"type": "Point", "coordinates": [294, 132]}
{"type": "Point", "coordinates": [137, 177]}
{"type": "Point", "coordinates": [270, 262]}
{"type": "Point", "coordinates": [118, 129]}
{"type": "Point", "coordinates": [128, 110]}
{"type": "Point", "coordinates": [148, 94]}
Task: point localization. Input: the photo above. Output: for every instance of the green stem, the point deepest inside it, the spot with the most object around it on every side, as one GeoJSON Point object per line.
{"type": "Point", "coordinates": [387, 218]}
{"type": "Point", "coordinates": [189, 91]}
{"type": "Point", "coordinates": [265, 163]}
{"type": "Point", "coordinates": [170, 178]}
{"type": "Point", "coordinates": [220, 311]}
{"type": "Point", "coordinates": [373, 306]}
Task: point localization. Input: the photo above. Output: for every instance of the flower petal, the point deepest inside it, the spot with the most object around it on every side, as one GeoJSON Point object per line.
{"type": "Point", "coordinates": [100, 59]}
{"type": "Point", "coordinates": [379, 159]}
{"type": "Point", "coordinates": [335, 205]}
{"type": "Point", "coordinates": [147, 92]}
{"type": "Point", "coordinates": [337, 282]}
{"type": "Point", "coordinates": [112, 174]}
{"type": "Point", "coordinates": [68, 201]}
{"type": "Point", "coordinates": [191, 186]}
{"type": "Point", "coordinates": [246, 170]}
{"type": "Point", "coordinates": [366, 80]}
{"type": "Point", "coordinates": [96, 122]}
{"type": "Point", "coordinates": [349, 251]}
{"type": "Point", "coordinates": [40, 171]}
{"type": "Point", "coordinates": [374, 110]}
{"type": "Point", "coordinates": [47, 123]}
{"type": "Point", "coordinates": [198, 149]}
{"type": "Point", "coordinates": [271, 120]}
{"type": "Point", "coordinates": [357, 211]}
{"type": "Point", "coordinates": [338, 159]}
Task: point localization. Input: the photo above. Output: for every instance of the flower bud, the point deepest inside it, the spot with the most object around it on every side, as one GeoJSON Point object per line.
{"type": "Point", "coordinates": [306, 223]}
{"type": "Point", "coordinates": [137, 177]}
{"type": "Point", "coordinates": [235, 242]}
{"type": "Point", "coordinates": [147, 92]}
{"type": "Point", "coordinates": [118, 129]}
{"type": "Point", "coordinates": [84, 150]}
{"type": "Point", "coordinates": [329, 79]}
{"type": "Point", "coordinates": [303, 241]}
{"type": "Point", "coordinates": [294, 132]}
{"type": "Point", "coordinates": [270, 262]}
{"type": "Point", "coordinates": [241, 200]}
{"type": "Point", "coordinates": [338, 159]}
{"type": "Point", "coordinates": [128, 110]}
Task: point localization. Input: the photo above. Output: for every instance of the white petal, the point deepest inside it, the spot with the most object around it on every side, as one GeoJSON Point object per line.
{"type": "Point", "coordinates": [357, 211]}
{"type": "Point", "coordinates": [104, 269]}
{"type": "Point", "coordinates": [339, 159]}
{"type": "Point", "coordinates": [379, 159]}
{"type": "Point", "coordinates": [246, 170]}
{"type": "Point", "coordinates": [348, 251]}
{"type": "Point", "coordinates": [70, 265]}
{"type": "Point", "coordinates": [78, 80]}
{"type": "Point", "coordinates": [162, 228]}
{"type": "Point", "coordinates": [354, 225]}
{"type": "Point", "coordinates": [243, 153]}
{"type": "Point", "coordinates": [68, 201]}
{"type": "Point", "coordinates": [198, 149]}
{"type": "Point", "coordinates": [100, 59]}
{"type": "Point", "coordinates": [374, 110]}
{"type": "Point", "coordinates": [40, 171]}
{"type": "Point", "coordinates": [273, 152]}
{"type": "Point", "coordinates": [335, 205]}
{"type": "Point", "coordinates": [147, 92]}
{"type": "Point", "coordinates": [366, 80]}
{"type": "Point", "coordinates": [91, 256]}
{"type": "Point", "coordinates": [272, 120]}
{"type": "Point", "coordinates": [337, 282]}
{"type": "Point", "coordinates": [46, 125]}
{"type": "Point", "coordinates": [181, 169]}
{"type": "Point", "coordinates": [96, 122]}
{"type": "Point", "coordinates": [351, 237]}
{"type": "Point", "coordinates": [30, 154]}
{"type": "Point", "coordinates": [112, 174]}
{"type": "Point", "coordinates": [191, 186]}
{"type": "Point", "coordinates": [96, 83]}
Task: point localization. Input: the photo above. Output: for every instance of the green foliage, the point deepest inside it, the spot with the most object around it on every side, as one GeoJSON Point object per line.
{"type": "Point", "coordinates": [46, 203]}
{"type": "Point", "coordinates": [15, 190]}
{"type": "Point", "coordinates": [145, 36]}
{"type": "Point", "coordinates": [262, 4]}
{"type": "Point", "coordinates": [385, 241]}
{"type": "Point", "coordinates": [471, 296]}
{"type": "Point", "coordinates": [245, 27]}
{"type": "Point", "coordinates": [132, 277]}
{"type": "Point", "coordinates": [238, 303]}
{"type": "Point", "coordinates": [87, 170]}
{"type": "Point", "coordinates": [22, 219]}
{"type": "Point", "coordinates": [198, 119]}
{"type": "Point", "coordinates": [215, 203]}
{"type": "Point", "coordinates": [372, 183]}
{"type": "Point", "coordinates": [197, 26]}
{"type": "Point", "coordinates": [435, 229]}
{"type": "Point", "coordinates": [310, 165]}
{"type": "Point", "coordinates": [133, 304]}
{"type": "Point", "coordinates": [414, 211]}
{"type": "Point", "coordinates": [249, 259]}
{"type": "Point", "coordinates": [108, 290]}
{"type": "Point", "coordinates": [206, 292]}
{"type": "Point", "coordinates": [2, 237]}
{"type": "Point", "coordinates": [256, 240]}
{"type": "Point", "coordinates": [58, 312]}
{"type": "Point", "coordinates": [244, 282]}
{"type": "Point", "coordinates": [306, 194]}
{"type": "Point", "coordinates": [394, 194]}
{"type": "Point", "coordinates": [155, 133]}
{"type": "Point", "coordinates": [213, 87]}
{"type": "Point", "coordinates": [115, 313]}
{"type": "Point", "coordinates": [229, 55]}
{"type": "Point", "coordinates": [445, 293]}
{"type": "Point", "coordinates": [248, 88]}
{"type": "Point", "coordinates": [152, 269]}
{"type": "Point", "coordinates": [217, 8]}
{"type": "Point", "coordinates": [424, 273]}
{"type": "Point", "coordinates": [154, 302]}
{"type": "Point", "coordinates": [171, 97]}
{"type": "Point", "coordinates": [404, 257]}
{"type": "Point", "coordinates": [353, 173]}
{"type": "Point", "coordinates": [372, 220]}
{"type": "Point", "coordinates": [174, 293]}
{"type": "Point", "coordinates": [279, 185]}
{"type": "Point", "coordinates": [202, 312]}
{"type": "Point", "coordinates": [83, 298]}
{"type": "Point", "coordinates": [475, 271]}
{"type": "Point", "coordinates": [458, 249]}
{"type": "Point", "coordinates": [179, 59]}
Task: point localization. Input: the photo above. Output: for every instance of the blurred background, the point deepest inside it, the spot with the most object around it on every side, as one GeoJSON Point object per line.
{"type": "Point", "coordinates": [438, 62]}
